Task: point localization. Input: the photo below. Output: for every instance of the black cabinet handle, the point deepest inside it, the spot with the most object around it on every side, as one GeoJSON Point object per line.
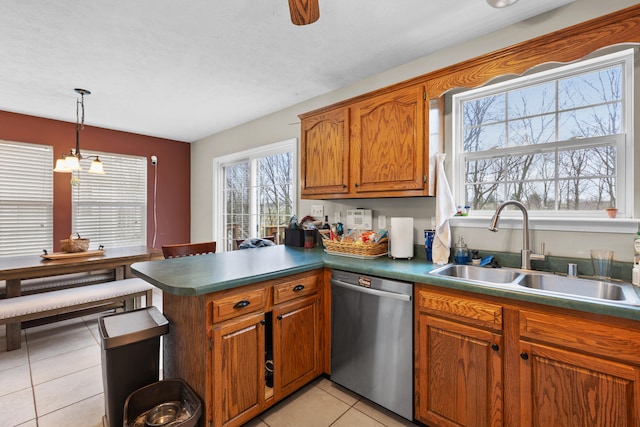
{"type": "Point", "coordinates": [524, 355]}
{"type": "Point", "coordinates": [356, 184]}
{"type": "Point", "coordinates": [241, 304]}
{"type": "Point", "coordinates": [279, 317]}
{"type": "Point", "coordinates": [298, 288]}
{"type": "Point", "coordinates": [495, 347]}
{"type": "Point", "coordinates": [263, 322]}
{"type": "Point", "coordinates": [344, 185]}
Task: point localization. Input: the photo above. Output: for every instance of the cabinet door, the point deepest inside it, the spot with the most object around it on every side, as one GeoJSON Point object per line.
{"type": "Point", "coordinates": [566, 388]}
{"type": "Point", "coordinates": [388, 142]}
{"type": "Point", "coordinates": [238, 369]}
{"type": "Point", "coordinates": [325, 153]}
{"type": "Point", "coordinates": [459, 375]}
{"type": "Point", "coordinates": [296, 344]}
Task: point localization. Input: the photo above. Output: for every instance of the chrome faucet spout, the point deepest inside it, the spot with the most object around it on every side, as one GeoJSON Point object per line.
{"type": "Point", "coordinates": [525, 253]}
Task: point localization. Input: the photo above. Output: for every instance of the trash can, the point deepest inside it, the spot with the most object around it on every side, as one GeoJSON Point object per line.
{"type": "Point", "coordinates": [130, 356]}
{"type": "Point", "coordinates": [168, 402]}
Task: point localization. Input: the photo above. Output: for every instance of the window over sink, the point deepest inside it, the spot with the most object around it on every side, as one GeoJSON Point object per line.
{"type": "Point", "coordinates": [560, 141]}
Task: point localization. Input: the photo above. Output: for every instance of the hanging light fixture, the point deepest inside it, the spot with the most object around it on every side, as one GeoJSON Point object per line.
{"type": "Point", "coordinates": [71, 162]}
{"type": "Point", "coordinates": [501, 3]}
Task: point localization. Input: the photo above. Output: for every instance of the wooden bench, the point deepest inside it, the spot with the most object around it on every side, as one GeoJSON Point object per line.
{"type": "Point", "coordinates": [55, 303]}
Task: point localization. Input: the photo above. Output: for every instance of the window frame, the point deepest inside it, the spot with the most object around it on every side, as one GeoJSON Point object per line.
{"type": "Point", "coordinates": [624, 141]}
{"type": "Point", "coordinates": [289, 145]}
{"type": "Point", "coordinates": [24, 165]}
{"type": "Point", "coordinates": [110, 173]}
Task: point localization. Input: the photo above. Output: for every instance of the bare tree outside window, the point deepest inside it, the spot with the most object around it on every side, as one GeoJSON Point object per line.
{"type": "Point", "coordinates": [259, 197]}
{"type": "Point", "coordinates": [552, 144]}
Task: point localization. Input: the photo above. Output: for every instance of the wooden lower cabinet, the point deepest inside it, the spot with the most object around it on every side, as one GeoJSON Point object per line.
{"type": "Point", "coordinates": [459, 366]}
{"type": "Point", "coordinates": [499, 362]}
{"type": "Point", "coordinates": [463, 370]}
{"type": "Point", "coordinates": [296, 344]}
{"type": "Point", "coordinates": [566, 388]}
{"type": "Point", "coordinates": [219, 342]}
{"type": "Point", "coordinates": [238, 369]}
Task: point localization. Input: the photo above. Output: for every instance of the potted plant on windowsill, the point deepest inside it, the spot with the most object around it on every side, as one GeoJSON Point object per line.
{"type": "Point", "coordinates": [611, 212]}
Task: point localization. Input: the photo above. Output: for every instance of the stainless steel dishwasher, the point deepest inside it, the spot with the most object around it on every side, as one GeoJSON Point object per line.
{"type": "Point", "coordinates": [372, 339]}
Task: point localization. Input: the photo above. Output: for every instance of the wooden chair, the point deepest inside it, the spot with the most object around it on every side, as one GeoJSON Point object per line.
{"type": "Point", "coordinates": [188, 249]}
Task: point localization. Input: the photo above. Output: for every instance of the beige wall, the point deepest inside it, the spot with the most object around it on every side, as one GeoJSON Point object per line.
{"type": "Point", "coordinates": [285, 124]}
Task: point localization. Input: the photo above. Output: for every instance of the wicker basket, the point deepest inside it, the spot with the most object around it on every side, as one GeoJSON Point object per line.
{"type": "Point", "coordinates": [74, 244]}
{"type": "Point", "coordinates": [350, 248]}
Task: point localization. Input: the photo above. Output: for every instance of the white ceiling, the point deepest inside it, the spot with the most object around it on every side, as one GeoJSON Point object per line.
{"type": "Point", "coordinates": [187, 69]}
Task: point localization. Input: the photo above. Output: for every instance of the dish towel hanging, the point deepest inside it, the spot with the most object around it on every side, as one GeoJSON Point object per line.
{"type": "Point", "coordinates": [445, 209]}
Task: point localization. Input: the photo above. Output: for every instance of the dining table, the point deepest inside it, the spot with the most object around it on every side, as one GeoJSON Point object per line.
{"type": "Point", "coordinates": [15, 269]}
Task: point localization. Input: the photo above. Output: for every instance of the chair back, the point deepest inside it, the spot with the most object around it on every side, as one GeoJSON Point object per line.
{"type": "Point", "coordinates": [188, 249]}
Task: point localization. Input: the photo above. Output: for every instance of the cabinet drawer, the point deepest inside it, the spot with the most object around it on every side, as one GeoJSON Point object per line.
{"type": "Point", "coordinates": [294, 289]}
{"type": "Point", "coordinates": [238, 304]}
{"type": "Point", "coordinates": [581, 334]}
{"type": "Point", "coordinates": [472, 310]}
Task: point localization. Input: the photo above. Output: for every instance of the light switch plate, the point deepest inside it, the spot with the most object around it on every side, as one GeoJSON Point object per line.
{"type": "Point", "coordinates": [317, 212]}
{"type": "Point", "coordinates": [336, 217]}
{"type": "Point", "coordinates": [382, 222]}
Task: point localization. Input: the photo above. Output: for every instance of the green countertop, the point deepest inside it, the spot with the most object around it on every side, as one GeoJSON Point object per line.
{"type": "Point", "coordinates": [205, 274]}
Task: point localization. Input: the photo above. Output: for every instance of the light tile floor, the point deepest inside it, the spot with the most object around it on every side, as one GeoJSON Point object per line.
{"type": "Point", "coordinates": [55, 380]}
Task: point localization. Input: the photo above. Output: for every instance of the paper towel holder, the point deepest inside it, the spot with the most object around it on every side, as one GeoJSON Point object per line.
{"type": "Point", "coordinates": [401, 238]}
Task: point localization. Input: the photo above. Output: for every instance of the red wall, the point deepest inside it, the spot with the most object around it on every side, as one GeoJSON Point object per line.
{"type": "Point", "coordinates": [173, 193]}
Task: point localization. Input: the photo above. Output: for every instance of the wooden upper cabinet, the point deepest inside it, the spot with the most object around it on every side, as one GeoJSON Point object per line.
{"type": "Point", "coordinates": [388, 142]}
{"type": "Point", "coordinates": [325, 153]}
{"type": "Point", "coordinates": [375, 147]}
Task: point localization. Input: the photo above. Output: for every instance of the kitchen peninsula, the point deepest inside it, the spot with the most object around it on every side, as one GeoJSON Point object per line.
{"type": "Point", "coordinates": [227, 310]}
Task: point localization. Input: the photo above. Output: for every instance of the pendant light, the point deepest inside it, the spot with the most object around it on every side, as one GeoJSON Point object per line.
{"type": "Point", "coordinates": [71, 162]}
{"type": "Point", "coordinates": [501, 3]}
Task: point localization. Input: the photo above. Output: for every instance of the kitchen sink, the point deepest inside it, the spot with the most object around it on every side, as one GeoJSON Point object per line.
{"type": "Point", "coordinates": [580, 287]}
{"type": "Point", "coordinates": [479, 274]}
{"type": "Point", "coordinates": [544, 283]}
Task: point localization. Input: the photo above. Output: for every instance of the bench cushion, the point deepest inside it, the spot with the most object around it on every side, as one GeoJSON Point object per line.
{"type": "Point", "coordinates": [26, 305]}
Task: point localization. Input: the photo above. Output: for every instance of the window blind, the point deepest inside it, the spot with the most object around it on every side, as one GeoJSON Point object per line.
{"type": "Point", "coordinates": [110, 209]}
{"type": "Point", "coordinates": [26, 198]}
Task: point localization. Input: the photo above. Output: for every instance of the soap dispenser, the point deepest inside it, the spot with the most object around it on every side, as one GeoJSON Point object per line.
{"type": "Point", "coordinates": [461, 254]}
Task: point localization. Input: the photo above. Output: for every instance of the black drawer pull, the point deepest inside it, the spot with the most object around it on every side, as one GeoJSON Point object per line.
{"type": "Point", "coordinates": [241, 304]}
{"type": "Point", "coordinates": [524, 355]}
{"type": "Point", "coordinates": [495, 347]}
{"type": "Point", "coordinates": [298, 288]}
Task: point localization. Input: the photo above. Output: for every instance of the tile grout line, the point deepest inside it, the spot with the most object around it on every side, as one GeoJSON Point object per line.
{"type": "Point", "coordinates": [37, 416]}
{"type": "Point", "coordinates": [33, 391]}
{"type": "Point", "coordinates": [350, 407]}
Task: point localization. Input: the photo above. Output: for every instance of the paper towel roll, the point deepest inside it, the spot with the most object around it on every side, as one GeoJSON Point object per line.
{"type": "Point", "coordinates": [401, 237]}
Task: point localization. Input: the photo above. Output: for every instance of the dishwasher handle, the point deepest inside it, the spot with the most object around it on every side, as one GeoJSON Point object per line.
{"type": "Point", "coordinates": [385, 294]}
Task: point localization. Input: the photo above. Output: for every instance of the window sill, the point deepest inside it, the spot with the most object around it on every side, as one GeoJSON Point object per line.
{"type": "Point", "coordinates": [604, 225]}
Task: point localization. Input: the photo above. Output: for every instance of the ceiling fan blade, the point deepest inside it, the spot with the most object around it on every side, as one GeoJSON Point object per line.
{"type": "Point", "coordinates": [304, 12]}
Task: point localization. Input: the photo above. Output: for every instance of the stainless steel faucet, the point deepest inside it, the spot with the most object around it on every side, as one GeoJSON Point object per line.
{"type": "Point", "coordinates": [526, 254]}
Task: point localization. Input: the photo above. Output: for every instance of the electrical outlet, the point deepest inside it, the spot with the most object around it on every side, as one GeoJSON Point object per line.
{"type": "Point", "coordinates": [336, 217]}
{"type": "Point", "coordinates": [317, 212]}
{"type": "Point", "coordinates": [382, 222]}
{"type": "Point", "coordinates": [154, 160]}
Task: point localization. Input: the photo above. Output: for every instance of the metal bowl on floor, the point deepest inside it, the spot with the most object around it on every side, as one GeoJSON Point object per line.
{"type": "Point", "coordinates": [163, 414]}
